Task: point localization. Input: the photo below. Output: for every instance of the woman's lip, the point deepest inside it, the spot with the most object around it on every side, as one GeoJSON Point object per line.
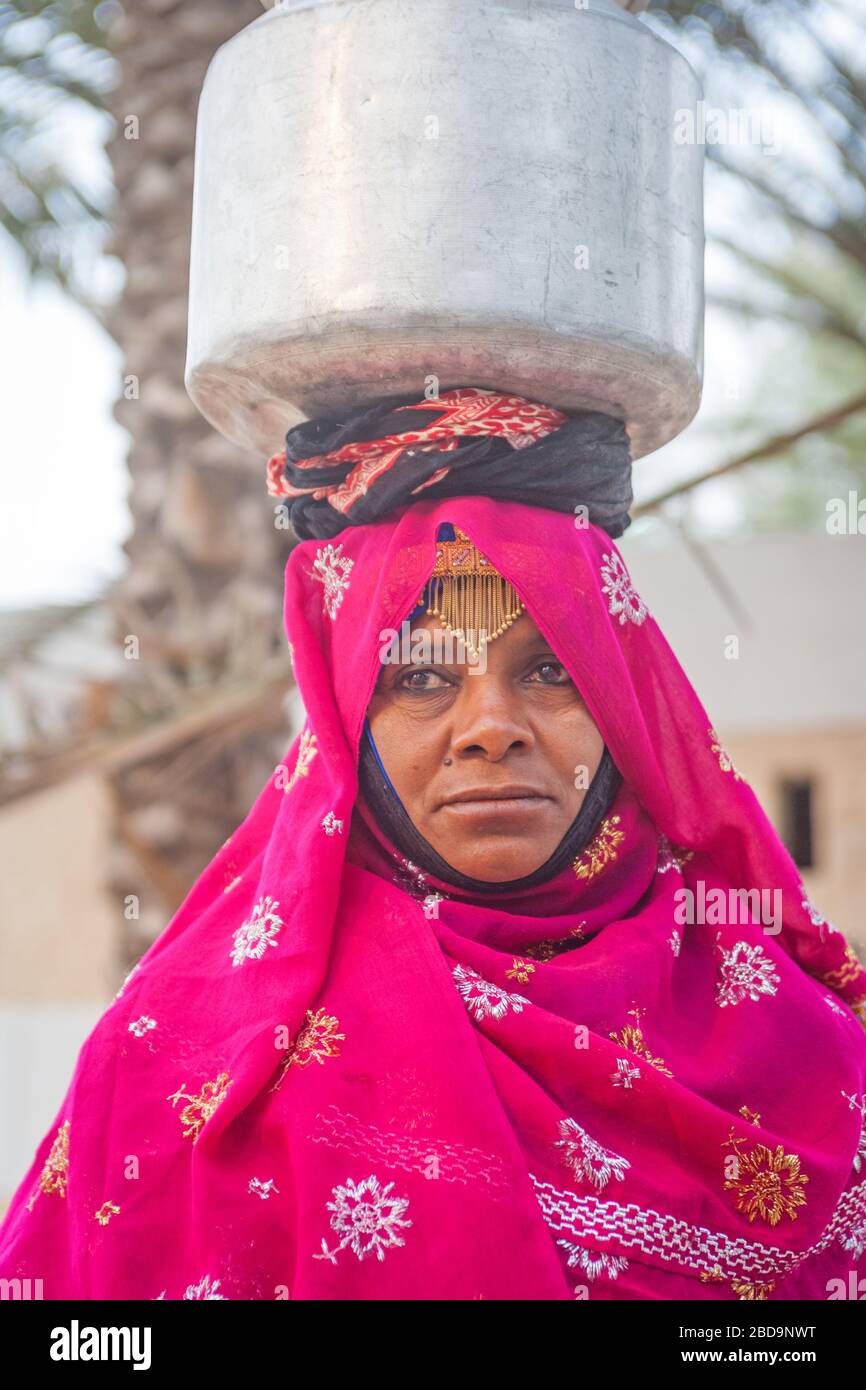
{"type": "Point", "coordinates": [497, 805]}
{"type": "Point", "coordinates": [512, 792]}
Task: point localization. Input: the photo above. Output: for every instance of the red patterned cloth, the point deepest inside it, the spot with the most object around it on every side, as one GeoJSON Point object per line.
{"type": "Point", "coordinates": [469, 440]}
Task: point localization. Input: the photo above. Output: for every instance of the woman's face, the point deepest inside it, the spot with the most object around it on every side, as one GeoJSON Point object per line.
{"type": "Point", "coordinates": [491, 764]}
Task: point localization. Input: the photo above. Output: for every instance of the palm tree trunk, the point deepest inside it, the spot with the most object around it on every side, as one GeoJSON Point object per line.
{"type": "Point", "coordinates": [199, 609]}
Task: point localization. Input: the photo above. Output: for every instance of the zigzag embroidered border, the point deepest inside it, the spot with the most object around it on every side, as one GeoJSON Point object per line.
{"type": "Point", "coordinates": [694, 1248]}
{"type": "Point", "coordinates": [591, 1222]}
{"type": "Point", "coordinates": [455, 1162]}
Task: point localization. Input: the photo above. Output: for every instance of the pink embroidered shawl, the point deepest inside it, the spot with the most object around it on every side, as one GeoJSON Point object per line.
{"type": "Point", "coordinates": [333, 1077]}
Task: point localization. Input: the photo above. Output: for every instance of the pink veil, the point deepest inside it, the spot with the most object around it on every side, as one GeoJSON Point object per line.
{"type": "Point", "coordinates": [333, 1077]}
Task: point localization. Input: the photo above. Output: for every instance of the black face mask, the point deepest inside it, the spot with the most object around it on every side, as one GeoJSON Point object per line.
{"type": "Point", "coordinates": [394, 819]}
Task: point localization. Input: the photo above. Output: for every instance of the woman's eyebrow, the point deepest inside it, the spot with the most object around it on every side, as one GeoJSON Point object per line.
{"type": "Point", "coordinates": [540, 649]}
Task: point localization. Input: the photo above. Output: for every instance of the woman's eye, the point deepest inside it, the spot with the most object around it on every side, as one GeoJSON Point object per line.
{"type": "Point", "coordinates": [421, 680]}
{"type": "Point", "coordinates": [550, 673]}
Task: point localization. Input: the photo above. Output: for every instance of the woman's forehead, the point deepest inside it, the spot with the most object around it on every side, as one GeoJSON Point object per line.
{"type": "Point", "coordinates": [417, 643]}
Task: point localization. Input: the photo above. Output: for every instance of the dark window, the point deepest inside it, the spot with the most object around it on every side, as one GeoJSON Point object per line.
{"type": "Point", "coordinates": [797, 821]}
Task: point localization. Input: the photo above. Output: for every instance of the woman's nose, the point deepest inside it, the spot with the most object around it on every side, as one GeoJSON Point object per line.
{"type": "Point", "coordinates": [488, 718]}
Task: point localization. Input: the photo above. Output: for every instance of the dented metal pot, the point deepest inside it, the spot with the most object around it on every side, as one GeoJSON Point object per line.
{"type": "Point", "coordinates": [482, 192]}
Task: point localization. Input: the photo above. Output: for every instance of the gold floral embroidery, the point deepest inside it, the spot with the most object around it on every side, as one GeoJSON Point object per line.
{"type": "Point", "coordinates": [55, 1170]}
{"type": "Point", "coordinates": [307, 751]}
{"type": "Point", "coordinates": [769, 1184]}
{"type": "Point", "coordinates": [752, 1290]}
{"type": "Point", "coordinates": [601, 851]}
{"type": "Point", "coordinates": [520, 970]}
{"type": "Point", "coordinates": [751, 1115]}
{"type": "Point", "coordinates": [631, 1037]}
{"type": "Point", "coordinates": [546, 950]}
{"type": "Point", "coordinates": [200, 1108]}
{"type": "Point", "coordinates": [105, 1213]}
{"type": "Point", "coordinates": [744, 1289]}
{"type": "Point", "coordinates": [316, 1040]}
{"type": "Point", "coordinates": [680, 855]}
{"type": "Point", "coordinates": [844, 974]}
{"type": "Point", "coordinates": [724, 757]}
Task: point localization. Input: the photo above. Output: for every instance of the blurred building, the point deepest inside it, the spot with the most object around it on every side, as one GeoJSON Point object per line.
{"type": "Point", "coordinates": [769, 629]}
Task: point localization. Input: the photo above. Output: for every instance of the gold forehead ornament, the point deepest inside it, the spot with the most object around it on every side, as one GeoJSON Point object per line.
{"type": "Point", "coordinates": [469, 595]}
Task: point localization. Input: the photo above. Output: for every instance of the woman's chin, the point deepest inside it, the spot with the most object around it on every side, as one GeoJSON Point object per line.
{"type": "Point", "coordinates": [497, 863]}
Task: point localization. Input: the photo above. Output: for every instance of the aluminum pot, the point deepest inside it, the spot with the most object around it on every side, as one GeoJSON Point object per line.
{"type": "Point", "coordinates": [391, 194]}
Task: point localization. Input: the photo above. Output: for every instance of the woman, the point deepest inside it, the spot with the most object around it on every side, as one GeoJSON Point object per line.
{"type": "Point", "coordinates": [469, 1007]}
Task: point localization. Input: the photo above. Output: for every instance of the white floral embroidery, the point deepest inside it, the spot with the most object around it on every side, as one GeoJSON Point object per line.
{"type": "Point", "coordinates": [675, 941]}
{"type": "Point", "coordinates": [127, 979]}
{"type": "Point", "coordinates": [140, 1026]}
{"type": "Point", "coordinates": [746, 973]}
{"type": "Point", "coordinates": [307, 750]}
{"type": "Point", "coordinates": [366, 1218]}
{"type": "Point", "coordinates": [858, 1103]}
{"type": "Point", "coordinates": [623, 598]}
{"type": "Point", "coordinates": [484, 999]}
{"type": "Point", "coordinates": [835, 1006]}
{"type": "Point", "coordinates": [665, 860]}
{"type": "Point", "coordinates": [668, 857]}
{"type": "Point", "coordinates": [854, 1239]}
{"type": "Point", "coordinates": [814, 915]}
{"type": "Point", "coordinates": [205, 1288]}
{"type": "Point", "coordinates": [332, 570]}
{"type": "Point", "coordinates": [262, 1189]}
{"type": "Point", "coordinates": [255, 936]}
{"type": "Point", "coordinates": [410, 878]}
{"type": "Point", "coordinates": [589, 1160]}
{"type": "Point", "coordinates": [624, 1075]}
{"type": "Point", "coordinates": [331, 825]}
{"type": "Point", "coordinates": [593, 1262]}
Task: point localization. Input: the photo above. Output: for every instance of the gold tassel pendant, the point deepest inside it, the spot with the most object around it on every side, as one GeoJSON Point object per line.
{"type": "Point", "coordinates": [469, 595]}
